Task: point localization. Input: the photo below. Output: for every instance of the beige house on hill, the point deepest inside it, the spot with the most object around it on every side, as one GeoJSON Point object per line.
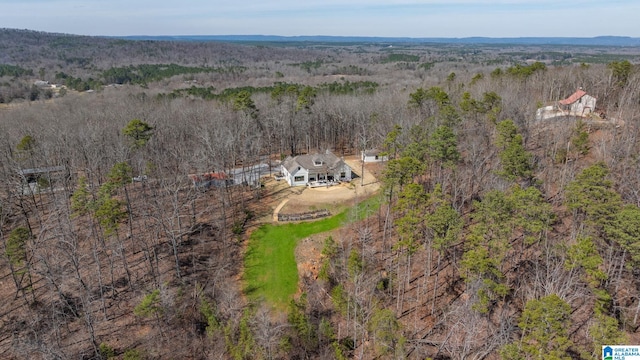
{"type": "Point", "coordinates": [578, 104]}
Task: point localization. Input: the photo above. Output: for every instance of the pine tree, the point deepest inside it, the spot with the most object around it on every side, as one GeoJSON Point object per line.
{"type": "Point", "coordinates": [516, 162]}
{"type": "Point", "coordinates": [545, 327]}
{"type": "Point", "coordinates": [139, 132]}
{"type": "Point", "coordinates": [592, 196]}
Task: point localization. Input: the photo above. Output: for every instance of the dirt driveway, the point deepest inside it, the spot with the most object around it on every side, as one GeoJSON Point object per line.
{"type": "Point", "coordinates": [335, 197]}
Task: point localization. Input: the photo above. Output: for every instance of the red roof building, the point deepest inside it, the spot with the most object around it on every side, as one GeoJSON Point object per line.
{"type": "Point", "coordinates": [578, 104]}
{"type": "Point", "coordinates": [574, 97]}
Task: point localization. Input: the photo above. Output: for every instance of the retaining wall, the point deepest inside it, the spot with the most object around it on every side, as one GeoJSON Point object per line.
{"type": "Point", "coordinates": [304, 216]}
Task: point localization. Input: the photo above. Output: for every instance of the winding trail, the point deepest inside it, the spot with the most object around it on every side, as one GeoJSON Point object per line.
{"type": "Point", "coordinates": [278, 208]}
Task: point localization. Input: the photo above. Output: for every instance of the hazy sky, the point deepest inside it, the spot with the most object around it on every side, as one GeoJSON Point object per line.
{"type": "Point", "coordinates": [427, 18]}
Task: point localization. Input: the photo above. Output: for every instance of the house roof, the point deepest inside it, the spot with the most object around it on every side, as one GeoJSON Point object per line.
{"type": "Point", "coordinates": [40, 170]}
{"type": "Point", "coordinates": [329, 162]}
{"type": "Point", "coordinates": [574, 97]}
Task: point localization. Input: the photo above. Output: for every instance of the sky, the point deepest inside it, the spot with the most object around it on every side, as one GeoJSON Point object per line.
{"type": "Point", "coordinates": [387, 18]}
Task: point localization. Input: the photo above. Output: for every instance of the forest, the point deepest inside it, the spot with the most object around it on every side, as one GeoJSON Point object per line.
{"type": "Point", "coordinates": [495, 234]}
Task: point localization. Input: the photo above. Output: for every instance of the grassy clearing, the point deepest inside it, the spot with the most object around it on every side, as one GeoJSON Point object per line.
{"type": "Point", "coordinates": [271, 272]}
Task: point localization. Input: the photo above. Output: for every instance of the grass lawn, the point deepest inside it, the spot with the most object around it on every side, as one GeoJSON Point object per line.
{"type": "Point", "coordinates": [271, 273]}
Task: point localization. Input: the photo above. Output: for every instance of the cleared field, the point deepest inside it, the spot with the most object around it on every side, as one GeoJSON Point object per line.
{"type": "Point", "coordinates": [271, 273]}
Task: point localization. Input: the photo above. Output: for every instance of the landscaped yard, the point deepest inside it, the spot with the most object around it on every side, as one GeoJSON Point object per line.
{"type": "Point", "coordinates": [271, 273]}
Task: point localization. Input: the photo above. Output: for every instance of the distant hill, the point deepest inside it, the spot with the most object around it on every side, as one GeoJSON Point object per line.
{"type": "Point", "coordinates": [595, 41]}
{"type": "Point", "coordinates": [36, 49]}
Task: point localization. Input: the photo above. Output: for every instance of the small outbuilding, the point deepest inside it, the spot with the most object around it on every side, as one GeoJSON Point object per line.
{"type": "Point", "coordinates": [42, 179]}
{"type": "Point", "coordinates": [373, 155]}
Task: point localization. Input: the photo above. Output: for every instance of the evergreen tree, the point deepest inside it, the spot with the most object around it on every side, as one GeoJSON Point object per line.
{"type": "Point", "coordinates": [410, 223]}
{"type": "Point", "coordinates": [16, 253]}
{"type": "Point", "coordinates": [306, 99]}
{"type": "Point", "coordinates": [418, 98]}
{"type": "Point", "coordinates": [497, 220]}
{"type": "Point", "coordinates": [240, 342]}
{"type": "Point", "coordinates": [139, 132]}
{"type": "Point", "coordinates": [442, 220]}
{"type": "Point", "coordinates": [516, 162]}
{"type": "Point", "coordinates": [385, 331]}
{"type": "Point", "coordinates": [486, 247]}
{"type": "Point", "coordinates": [625, 231]}
{"type": "Point", "coordinates": [532, 213]}
{"type": "Point", "coordinates": [439, 96]}
{"type": "Point", "coordinates": [592, 196]}
{"type": "Point", "coordinates": [584, 255]}
{"type": "Point", "coordinates": [150, 305]}
{"type": "Point", "coordinates": [27, 145]}
{"type": "Point", "coordinates": [242, 102]}
{"type": "Point", "coordinates": [605, 330]}
{"type": "Point", "coordinates": [443, 147]}
{"type": "Point", "coordinates": [391, 144]}
{"type": "Point", "coordinates": [621, 70]}
{"type": "Point", "coordinates": [417, 147]}
{"type": "Point", "coordinates": [545, 327]}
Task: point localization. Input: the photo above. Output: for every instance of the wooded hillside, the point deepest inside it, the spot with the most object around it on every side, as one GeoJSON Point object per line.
{"type": "Point", "coordinates": [499, 236]}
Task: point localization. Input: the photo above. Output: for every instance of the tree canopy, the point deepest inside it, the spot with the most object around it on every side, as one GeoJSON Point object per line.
{"type": "Point", "coordinates": [139, 132]}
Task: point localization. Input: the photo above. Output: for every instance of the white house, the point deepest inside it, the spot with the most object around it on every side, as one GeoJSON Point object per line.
{"type": "Point", "coordinates": [41, 83]}
{"type": "Point", "coordinates": [578, 104]}
{"type": "Point", "coordinates": [373, 155]}
{"type": "Point", "coordinates": [304, 169]}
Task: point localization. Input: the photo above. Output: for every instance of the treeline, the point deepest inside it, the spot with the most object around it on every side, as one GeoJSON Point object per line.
{"type": "Point", "coordinates": [276, 91]}
{"type": "Point", "coordinates": [26, 47]}
{"type": "Point", "coordinates": [14, 71]}
{"type": "Point", "coordinates": [77, 83]}
{"type": "Point", "coordinates": [145, 74]}
{"type": "Point", "coordinates": [138, 75]}
{"type": "Point", "coordinates": [400, 58]}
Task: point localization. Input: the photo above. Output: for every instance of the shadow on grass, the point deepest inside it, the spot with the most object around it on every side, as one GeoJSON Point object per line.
{"type": "Point", "coordinates": [251, 290]}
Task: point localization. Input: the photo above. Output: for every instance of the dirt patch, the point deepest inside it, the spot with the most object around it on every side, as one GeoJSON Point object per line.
{"type": "Point", "coordinates": [331, 198]}
{"type": "Point", "coordinates": [307, 255]}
